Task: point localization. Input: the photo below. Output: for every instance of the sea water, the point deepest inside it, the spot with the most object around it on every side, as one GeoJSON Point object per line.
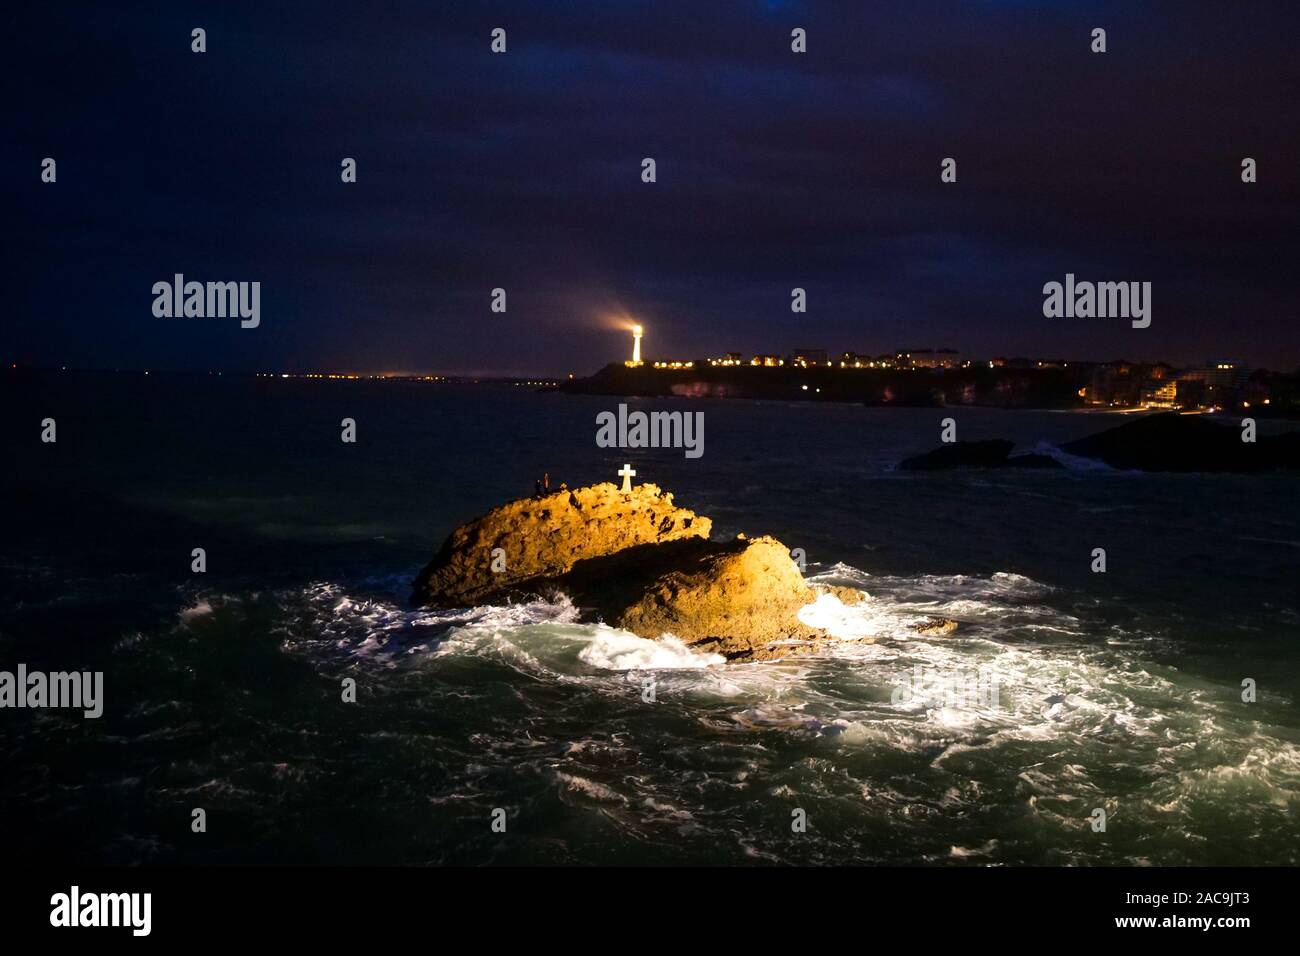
{"type": "Point", "coordinates": [1120, 691]}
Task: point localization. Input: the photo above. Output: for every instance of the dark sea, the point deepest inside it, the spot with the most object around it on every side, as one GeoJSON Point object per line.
{"type": "Point", "coordinates": [1119, 692]}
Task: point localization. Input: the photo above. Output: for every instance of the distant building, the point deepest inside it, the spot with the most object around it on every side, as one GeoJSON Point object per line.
{"type": "Point", "coordinates": [1125, 383]}
{"type": "Point", "coordinates": [1160, 394]}
{"type": "Point", "coordinates": [1114, 383]}
{"type": "Point", "coordinates": [1218, 374]}
{"type": "Point", "coordinates": [1161, 371]}
{"type": "Point", "coordinates": [1189, 392]}
{"type": "Point", "coordinates": [1223, 383]}
{"type": "Point", "coordinates": [928, 358]}
{"type": "Point", "coordinates": [1279, 390]}
{"type": "Point", "coordinates": [767, 360]}
{"type": "Point", "coordinates": [806, 357]}
{"type": "Point", "coordinates": [731, 358]}
{"type": "Point", "coordinates": [856, 360]}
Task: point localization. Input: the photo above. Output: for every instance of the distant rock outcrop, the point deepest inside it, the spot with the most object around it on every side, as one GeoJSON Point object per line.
{"type": "Point", "coordinates": [976, 454]}
{"type": "Point", "coordinates": [1173, 442]}
{"type": "Point", "coordinates": [1163, 442]}
{"type": "Point", "coordinates": [635, 561]}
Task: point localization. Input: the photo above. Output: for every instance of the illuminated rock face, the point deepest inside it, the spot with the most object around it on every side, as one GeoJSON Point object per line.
{"type": "Point", "coordinates": [742, 600]}
{"type": "Point", "coordinates": [635, 561]}
{"type": "Point", "coordinates": [543, 538]}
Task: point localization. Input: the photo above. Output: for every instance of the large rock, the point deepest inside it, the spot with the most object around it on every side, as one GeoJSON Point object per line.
{"type": "Point", "coordinates": [542, 538]}
{"type": "Point", "coordinates": [742, 600]}
{"type": "Point", "coordinates": [1162, 442]}
{"type": "Point", "coordinates": [1173, 442]}
{"type": "Point", "coordinates": [636, 562]}
{"type": "Point", "coordinates": [976, 454]}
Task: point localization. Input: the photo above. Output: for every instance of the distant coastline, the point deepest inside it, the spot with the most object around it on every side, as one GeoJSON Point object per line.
{"type": "Point", "coordinates": [1060, 386]}
{"type": "Point", "coordinates": [1094, 387]}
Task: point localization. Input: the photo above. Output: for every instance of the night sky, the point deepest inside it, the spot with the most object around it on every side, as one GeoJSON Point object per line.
{"type": "Point", "coordinates": [523, 171]}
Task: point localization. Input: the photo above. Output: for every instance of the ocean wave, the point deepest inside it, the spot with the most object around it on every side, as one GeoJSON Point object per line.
{"type": "Point", "coordinates": [617, 650]}
{"type": "Point", "coordinates": [1072, 462]}
{"type": "Point", "coordinates": [1027, 704]}
{"type": "Point", "coordinates": [200, 608]}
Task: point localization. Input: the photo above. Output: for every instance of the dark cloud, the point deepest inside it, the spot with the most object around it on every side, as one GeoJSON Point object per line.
{"type": "Point", "coordinates": [775, 170]}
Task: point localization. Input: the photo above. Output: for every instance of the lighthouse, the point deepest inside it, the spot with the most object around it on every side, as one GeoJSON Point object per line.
{"type": "Point", "coordinates": [636, 345]}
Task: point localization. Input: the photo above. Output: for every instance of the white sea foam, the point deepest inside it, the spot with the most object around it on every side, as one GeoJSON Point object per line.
{"type": "Point", "coordinates": [200, 609]}
{"type": "Point", "coordinates": [1072, 462]}
{"type": "Point", "coordinates": [830, 614]}
{"type": "Point", "coordinates": [1066, 700]}
{"type": "Point", "coordinates": [616, 650]}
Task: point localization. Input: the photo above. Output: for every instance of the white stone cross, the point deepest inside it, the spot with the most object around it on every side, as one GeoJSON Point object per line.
{"type": "Point", "coordinates": [627, 474]}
